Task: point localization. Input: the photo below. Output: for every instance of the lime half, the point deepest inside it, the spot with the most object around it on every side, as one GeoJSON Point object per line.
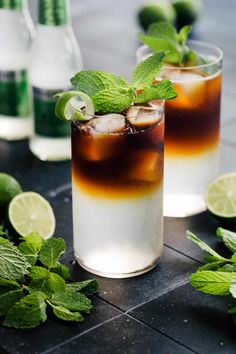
{"type": "Point", "coordinates": [30, 212]}
{"type": "Point", "coordinates": [221, 196]}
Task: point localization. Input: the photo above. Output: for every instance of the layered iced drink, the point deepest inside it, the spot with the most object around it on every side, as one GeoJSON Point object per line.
{"type": "Point", "coordinates": [192, 131]}
{"type": "Point", "coordinates": [117, 176]}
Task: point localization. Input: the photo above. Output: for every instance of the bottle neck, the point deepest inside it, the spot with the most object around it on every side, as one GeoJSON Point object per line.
{"type": "Point", "coordinates": [53, 12]}
{"type": "Point", "coordinates": [13, 4]}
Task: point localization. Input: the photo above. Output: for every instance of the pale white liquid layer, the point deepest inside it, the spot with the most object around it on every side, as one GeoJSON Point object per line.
{"type": "Point", "coordinates": [117, 238]}
{"type": "Point", "coordinates": [186, 180]}
{"type": "Point", "coordinates": [50, 149]}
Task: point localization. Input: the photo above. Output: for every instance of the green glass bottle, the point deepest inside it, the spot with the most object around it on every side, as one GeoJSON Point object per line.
{"type": "Point", "coordinates": [55, 57]}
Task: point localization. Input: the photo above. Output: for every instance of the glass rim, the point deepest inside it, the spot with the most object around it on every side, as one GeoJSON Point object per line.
{"type": "Point", "coordinates": [218, 59]}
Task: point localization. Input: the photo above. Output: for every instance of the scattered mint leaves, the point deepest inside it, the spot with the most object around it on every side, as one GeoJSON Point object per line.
{"type": "Point", "coordinates": [51, 252]}
{"type": "Point", "coordinates": [212, 282]}
{"type": "Point", "coordinates": [87, 287]}
{"type": "Point", "coordinates": [228, 237]}
{"type": "Point", "coordinates": [35, 240]}
{"type": "Point", "coordinates": [32, 278]}
{"type": "Point", "coordinates": [65, 314]}
{"type": "Point", "coordinates": [45, 281]}
{"type": "Point", "coordinates": [72, 300]}
{"type": "Point", "coordinates": [29, 312]}
{"type": "Point", "coordinates": [218, 276]}
{"type": "Point", "coordinates": [13, 265]}
{"type": "Point", "coordinates": [29, 251]}
{"type": "Point", "coordinates": [163, 36]}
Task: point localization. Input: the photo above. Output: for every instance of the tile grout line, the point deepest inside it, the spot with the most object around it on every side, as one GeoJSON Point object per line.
{"type": "Point", "coordinates": [183, 254]}
{"type": "Point", "coordinates": [81, 334]}
{"type": "Point", "coordinates": [162, 333]}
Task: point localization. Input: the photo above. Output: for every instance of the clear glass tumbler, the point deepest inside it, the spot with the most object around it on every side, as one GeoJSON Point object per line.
{"type": "Point", "coordinates": [192, 131]}
{"type": "Point", "coordinates": [117, 178]}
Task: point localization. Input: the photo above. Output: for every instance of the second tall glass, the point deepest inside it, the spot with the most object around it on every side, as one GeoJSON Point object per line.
{"type": "Point", "coordinates": [192, 130]}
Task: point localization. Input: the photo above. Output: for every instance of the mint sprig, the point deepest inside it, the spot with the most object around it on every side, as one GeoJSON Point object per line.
{"type": "Point", "coordinates": [33, 280]}
{"type": "Point", "coordinates": [163, 36]}
{"type": "Point", "coordinates": [113, 94]}
{"type": "Point", "coordinates": [218, 276]}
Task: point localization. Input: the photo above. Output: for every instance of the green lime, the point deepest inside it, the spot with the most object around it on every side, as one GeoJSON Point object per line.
{"type": "Point", "coordinates": [9, 188]}
{"type": "Point", "coordinates": [221, 196]}
{"type": "Point", "coordinates": [162, 11]}
{"type": "Point", "coordinates": [187, 11]}
{"type": "Point", "coordinates": [29, 212]}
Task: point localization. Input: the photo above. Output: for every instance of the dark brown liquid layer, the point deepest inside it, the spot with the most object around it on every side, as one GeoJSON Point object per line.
{"type": "Point", "coordinates": [118, 165]}
{"type": "Point", "coordinates": [193, 119]}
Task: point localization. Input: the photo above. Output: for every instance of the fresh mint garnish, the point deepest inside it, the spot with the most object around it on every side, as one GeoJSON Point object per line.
{"type": "Point", "coordinates": [113, 94]}
{"type": "Point", "coordinates": [163, 36]}
{"type": "Point", "coordinates": [32, 279]}
{"type": "Point", "coordinates": [218, 276]}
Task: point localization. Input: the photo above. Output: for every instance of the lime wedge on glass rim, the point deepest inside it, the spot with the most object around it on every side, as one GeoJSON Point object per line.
{"type": "Point", "coordinates": [69, 108]}
{"type": "Point", "coordinates": [29, 212]}
{"type": "Point", "coordinates": [220, 197]}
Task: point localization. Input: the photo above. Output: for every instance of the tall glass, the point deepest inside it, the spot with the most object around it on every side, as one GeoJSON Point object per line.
{"type": "Point", "coordinates": [192, 131]}
{"type": "Point", "coordinates": [117, 178]}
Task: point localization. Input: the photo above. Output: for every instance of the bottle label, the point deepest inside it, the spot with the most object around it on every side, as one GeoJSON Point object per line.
{"type": "Point", "coordinates": [14, 94]}
{"type": "Point", "coordinates": [45, 121]}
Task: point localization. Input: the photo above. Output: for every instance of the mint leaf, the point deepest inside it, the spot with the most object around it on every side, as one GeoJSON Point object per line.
{"type": "Point", "coordinates": [165, 31]}
{"type": "Point", "coordinates": [212, 282]}
{"type": "Point", "coordinates": [72, 300]}
{"type": "Point", "coordinates": [228, 268]}
{"type": "Point", "coordinates": [228, 237]}
{"type": "Point", "coordinates": [87, 287]}
{"type": "Point", "coordinates": [204, 246]}
{"type": "Point", "coordinates": [7, 285]}
{"type": "Point", "coordinates": [65, 314]}
{"type": "Point", "coordinates": [28, 250]}
{"type": "Point", "coordinates": [51, 252]}
{"type": "Point", "coordinates": [156, 45]}
{"type": "Point", "coordinates": [211, 266]}
{"type": "Point", "coordinates": [8, 299]}
{"type": "Point", "coordinates": [35, 240]}
{"type": "Point", "coordinates": [93, 81]}
{"type": "Point", "coordinates": [13, 265]}
{"type": "Point", "coordinates": [61, 270]}
{"type": "Point", "coordinates": [29, 312]}
{"type": "Point", "coordinates": [45, 281]}
{"type": "Point", "coordinates": [146, 71]}
{"type": "Point", "coordinates": [115, 100]}
{"type": "Point", "coordinates": [161, 91]}
{"type": "Point", "coordinates": [232, 288]}
{"type": "Point", "coordinates": [184, 34]}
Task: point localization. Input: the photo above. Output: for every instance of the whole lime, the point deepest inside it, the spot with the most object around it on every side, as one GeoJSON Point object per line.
{"type": "Point", "coordinates": [187, 11]}
{"type": "Point", "coordinates": [151, 13]}
{"type": "Point", "coordinates": [9, 188]}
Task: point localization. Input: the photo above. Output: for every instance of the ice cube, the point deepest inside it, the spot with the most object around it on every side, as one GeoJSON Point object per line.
{"type": "Point", "coordinates": [109, 123]}
{"type": "Point", "coordinates": [147, 166]}
{"type": "Point", "coordinates": [100, 141]}
{"type": "Point", "coordinates": [143, 116]}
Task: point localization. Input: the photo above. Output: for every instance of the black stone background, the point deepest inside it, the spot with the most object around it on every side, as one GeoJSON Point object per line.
{"type": "Point", "coordinates": [158, 312]}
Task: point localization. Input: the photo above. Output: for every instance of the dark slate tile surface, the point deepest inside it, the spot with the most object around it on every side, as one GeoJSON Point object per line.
{"type": "Point", "coordinates": [122, 335]}
{"type": "Point", "coordinates": [173, 270]}
{"type": "Point", "coordinates": [197, 320]}
{"type": "Point", "coordinates": [53, 332]}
